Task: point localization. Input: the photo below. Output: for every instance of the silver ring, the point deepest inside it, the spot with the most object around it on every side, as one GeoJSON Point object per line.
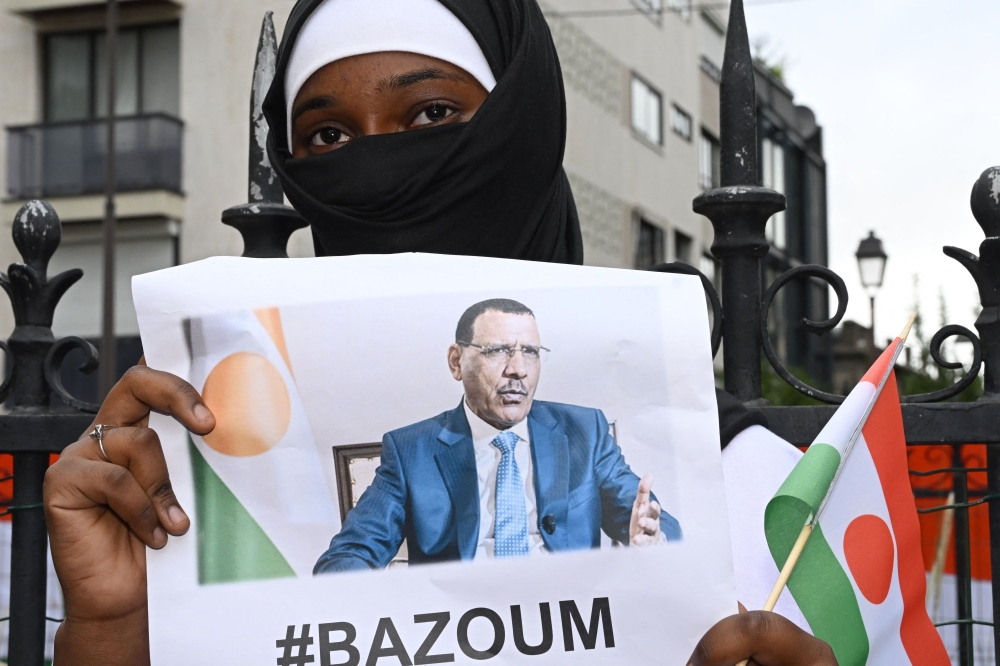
{"type": "Point", "coordinates": [98, 434]}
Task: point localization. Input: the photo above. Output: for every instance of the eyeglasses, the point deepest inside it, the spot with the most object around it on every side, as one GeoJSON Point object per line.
{"type": "Point", "coordinates": [504, 353]}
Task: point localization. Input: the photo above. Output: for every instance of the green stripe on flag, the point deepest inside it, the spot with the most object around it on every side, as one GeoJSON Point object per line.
{"type": "Point", "coordinates": [819, 583]}
{"type": "Point", "coordinates": [810, 480]}
{"type": "Point", "coordinates": [231, 545]}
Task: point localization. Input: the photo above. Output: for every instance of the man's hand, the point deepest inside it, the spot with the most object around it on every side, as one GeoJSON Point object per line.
{"type": "Point", "coordinates": [766, 639]}
{"type": "Point", "coordinates": [102, 515]}
{"type": "Point", "coordinates": [644, 528]}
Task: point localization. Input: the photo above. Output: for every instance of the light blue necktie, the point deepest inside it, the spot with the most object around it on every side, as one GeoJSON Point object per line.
{"type": "Point", "coordinates": [511, 523]}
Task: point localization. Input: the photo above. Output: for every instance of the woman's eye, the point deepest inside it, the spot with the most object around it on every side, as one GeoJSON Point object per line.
{"type": "Point", "coordinates": [433, 114]}
{"type": "Point", "coordinates": [329, 136]}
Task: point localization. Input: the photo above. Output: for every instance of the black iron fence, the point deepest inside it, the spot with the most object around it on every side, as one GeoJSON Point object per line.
{"type": "Point", "coordinates": [952, 490]}
{"type": "Point", "coordinates": [739, 211]}
{"type": "Point", "coordinates": [68, 158]}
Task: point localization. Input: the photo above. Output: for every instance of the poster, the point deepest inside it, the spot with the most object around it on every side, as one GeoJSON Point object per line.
{"type": "Point", "coordinates": [423, 459]}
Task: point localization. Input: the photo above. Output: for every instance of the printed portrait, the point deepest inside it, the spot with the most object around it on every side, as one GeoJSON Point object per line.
{"type": "Point", "coordinates": [514, 467]}
{"type": "Point", "coordinates": [412, 446]}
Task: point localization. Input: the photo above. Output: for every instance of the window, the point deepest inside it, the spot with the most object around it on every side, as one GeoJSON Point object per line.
{"type": "Point", "coordinates": [773, 158]}
{"type": "Point", "coordinates": [682, 7]}
{"type": "Point", "coordinates": [147, 73]}
{"type": "Point", "coordinates": [648, 245]}
{"type": "Point", "coordinates": [67, 77]}
{"type": "Point", "coordinates": [682, 247]}
{"type": "Point", "coordinates": [651, 8]}
{"type": "Point", "coordinates": [654, 8]}
{"type": "Point", "coordinates": [680, 122]}
{"type": "Point", "coordinates": [708, 161]}
{"type": "Point", "coordinates": [713, 41]}
{"type": "Point", "coordinates": [143, 246]}
{"type": "Point", "coordinates": [647, 111]}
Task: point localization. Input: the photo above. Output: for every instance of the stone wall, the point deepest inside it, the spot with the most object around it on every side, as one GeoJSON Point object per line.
{"type": "Point", "coordinates": [603, 221]}
{"type": "Point", "coordinates": [587, 67]}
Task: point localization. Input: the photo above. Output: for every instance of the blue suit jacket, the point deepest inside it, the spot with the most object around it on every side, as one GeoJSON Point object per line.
{"type": "Point", "coordinates": [426, 490]}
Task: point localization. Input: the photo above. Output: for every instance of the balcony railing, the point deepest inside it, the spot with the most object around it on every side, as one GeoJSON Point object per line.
{"type": "Point", "coordinates": [68, 158]}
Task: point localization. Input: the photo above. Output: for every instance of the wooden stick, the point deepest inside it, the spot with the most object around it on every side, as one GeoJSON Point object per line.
{"type": "Point", "coordinates": [906, 331]}
{"type": "Point", "coordinates": [786, 571]}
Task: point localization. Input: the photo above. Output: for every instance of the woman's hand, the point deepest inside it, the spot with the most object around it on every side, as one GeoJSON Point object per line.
{"type": "Point", "coordinates": [102, 515]}
{"type": "Point", "coordinates": [766, 639]}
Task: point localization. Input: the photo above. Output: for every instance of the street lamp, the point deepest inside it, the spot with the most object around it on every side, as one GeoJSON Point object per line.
{"type": "Point", "coordinates": [871, 264]}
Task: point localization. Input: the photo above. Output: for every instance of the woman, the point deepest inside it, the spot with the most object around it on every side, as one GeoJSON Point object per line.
{"type": "Point", "coordinates": [397, 125]}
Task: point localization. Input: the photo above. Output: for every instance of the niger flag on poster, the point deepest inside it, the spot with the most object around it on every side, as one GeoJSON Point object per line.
{"type": "Point", "coordinates": [280, 515]}
{"type": "Point", "coordinates": [860, 579]}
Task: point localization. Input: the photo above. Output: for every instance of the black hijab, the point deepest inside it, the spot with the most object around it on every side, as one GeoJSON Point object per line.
{"type": "Point", "coordinates": [492, 187]}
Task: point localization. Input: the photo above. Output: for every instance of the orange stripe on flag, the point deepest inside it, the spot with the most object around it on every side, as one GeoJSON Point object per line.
{"type": "Point", "coordinates": [883, 432]}
{"type": "Point", "coordinates": [877, 371]}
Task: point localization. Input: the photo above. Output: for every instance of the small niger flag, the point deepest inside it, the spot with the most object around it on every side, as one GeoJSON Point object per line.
{"type": "Point", "coordinates": [263, 508]}
{"type": "Point", "coordinates": [860, 579]}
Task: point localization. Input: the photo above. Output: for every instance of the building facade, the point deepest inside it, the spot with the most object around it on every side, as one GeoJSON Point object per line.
{"type": "Point", "coordinates": [634, 107]}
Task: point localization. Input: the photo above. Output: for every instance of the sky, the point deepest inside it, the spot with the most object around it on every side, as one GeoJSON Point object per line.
{"type": "Point", "coordinates": [908, 94]}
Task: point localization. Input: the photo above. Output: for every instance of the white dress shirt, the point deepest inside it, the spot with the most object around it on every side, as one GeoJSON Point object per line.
{"type": "Point", "coordinates": [487, 462]}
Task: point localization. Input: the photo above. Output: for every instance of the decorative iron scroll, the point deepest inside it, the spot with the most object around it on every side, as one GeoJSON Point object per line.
{"type": "Point", "coordinates": [815, 327]}
{"type": "Point", "coordinates": [821, 327]}
{"type": "Point", "coordinates": [966, 381]}
{"type": "Point", "coordinates": [713, 297]}
{"type": "Point", "coordinates": [53, 365]}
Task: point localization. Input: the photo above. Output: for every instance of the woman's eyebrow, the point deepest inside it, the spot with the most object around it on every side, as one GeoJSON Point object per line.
{"type": "Point", "coordinates": [397, 82]}
{"type": "Point", "coordinates": [314, 104]}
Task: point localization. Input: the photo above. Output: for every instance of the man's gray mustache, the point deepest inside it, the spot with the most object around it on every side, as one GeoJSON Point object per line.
{"type": "Point", "coordinates": [513, 388]}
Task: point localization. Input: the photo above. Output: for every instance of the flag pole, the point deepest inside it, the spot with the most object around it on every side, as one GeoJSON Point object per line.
{"type": "Point", "coordinates": [807, 530]}
{"type": "Point", "coordinates": [906, 331]}
{"type": "Point", "coordinates": [786, 571]}
{"type": "Point", "coordinates": [934, 590]}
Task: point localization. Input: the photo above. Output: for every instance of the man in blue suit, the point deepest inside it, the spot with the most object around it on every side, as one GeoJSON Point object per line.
{"type": "Point", "coordinates": [501, 475]}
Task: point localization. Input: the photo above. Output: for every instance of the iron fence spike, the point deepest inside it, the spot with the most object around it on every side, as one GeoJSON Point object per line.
{"type": "Point", "coordinates": [33, 296]}
{"type": "Point", "coordinates": [739, 211]}
{"type": "Point", "coordinates": [265, 223]}
{"type": "Point", "coordinates": [264, 186]}
{"type": "Point", "coordinates": [738, 109]}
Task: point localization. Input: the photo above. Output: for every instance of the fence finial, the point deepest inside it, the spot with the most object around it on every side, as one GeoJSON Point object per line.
{"type": "Point", "coordinates": [739, 211]}
{"type": "Point", "coordinates": [985, 270]}
{"type": "Point", "coordinates": [37, 234]}
{"type": "Point", "coordinates": [33, 295]}
{"type": "Point", "coordinates": [986, 201]}
{"type": "Point", "coordinates": [265, 223]}
{"type": "Point", "coordinates": [738, 108]}
{"type": "Point", "coordinates": [264, 184]}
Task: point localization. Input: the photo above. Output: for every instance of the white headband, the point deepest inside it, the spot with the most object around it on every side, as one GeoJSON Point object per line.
{"type": "Point", "coordinates": [343, 28]}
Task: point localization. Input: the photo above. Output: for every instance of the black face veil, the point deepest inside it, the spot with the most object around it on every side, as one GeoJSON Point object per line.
{"type": "Point", "coordinates": [492, 187]}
